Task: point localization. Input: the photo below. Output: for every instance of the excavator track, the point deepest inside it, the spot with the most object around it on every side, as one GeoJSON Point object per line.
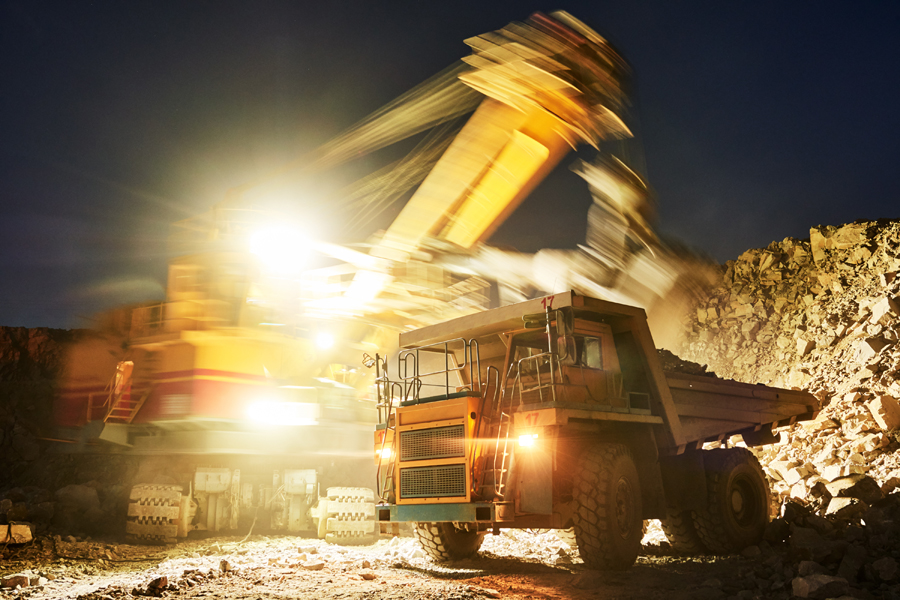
{"type": "Point", "coordinates": [349, 516]}
{"type": "Point", "coordinates": [153, 514]}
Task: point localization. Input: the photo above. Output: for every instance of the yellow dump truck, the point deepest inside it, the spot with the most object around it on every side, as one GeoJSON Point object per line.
{"type": "Point", "coordinates": [556, 413]}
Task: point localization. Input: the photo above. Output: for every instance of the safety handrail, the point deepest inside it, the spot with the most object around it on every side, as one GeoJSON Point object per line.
{"type": "Point", "coordinates": [381, 484]}
{"type": "Point", "coordinates": [551, 359]}
{"type": "Point", "coordinates": [409, 362]}
{"type": "Point", "coordinates": [478, 484]}
{"type": "Point", "coordinates": [499, 484]}
{"type": "Point", "coordinates": [409, 385]}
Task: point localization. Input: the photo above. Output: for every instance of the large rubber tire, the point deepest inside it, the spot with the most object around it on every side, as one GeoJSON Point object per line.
{"type": "Point", "coordinates": [153, 512]}
{"type": "Point", "coordinates": [349, 516]}
{"type": "Point", "coordinates": [737, 501]}
{"type": "Point", "coordinates": [608, 520]}
{"type": "Point", "coordinates": [567, 536]}
{"type": "Point", "coordinates": [443, 541]}
{"type": "Point", "coordinates": [681, 532]}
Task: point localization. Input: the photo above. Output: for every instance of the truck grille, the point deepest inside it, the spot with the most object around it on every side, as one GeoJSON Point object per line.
{"type": "Point", "coordinates": [427, 444]}
{"type": "Point", "coordinates": [433, 482]}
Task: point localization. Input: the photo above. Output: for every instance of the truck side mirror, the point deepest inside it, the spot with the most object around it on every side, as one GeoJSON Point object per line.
{"type": "Point", "coordinates": [566, 350]}
{"type": "Point", "coordinates": [535, 320]}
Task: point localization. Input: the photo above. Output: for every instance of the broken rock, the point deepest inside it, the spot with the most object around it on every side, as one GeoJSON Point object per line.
{"type": "Point", "coordinates": [12, 581]}
{"type": "Point", "coordinates": [856, 485]}
{"type": "Point", "coordinates": [809, 567]}
{"type": "Point", "coordinates": [885, 568]}
{"type": "Point", "coordinates": [819, 586]}
{"type": "Point", "coordinates": [868, 349]}
{"type": "Point", "coordinates": [808, 544]}
{"type": "Point", "coordinates": [885, 306]}
{"type": "Point", "coordinates": [852, 563]}
{"type": "Point", "coordinates": [886, 412]}
{"type": "Point", "coordinates": [845, 508]}
{"type": "Point", "coordinates": [16, 533]}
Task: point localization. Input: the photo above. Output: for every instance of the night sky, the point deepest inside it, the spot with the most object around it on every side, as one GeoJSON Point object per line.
{"type": "Point", "coordinates": [757, 120]}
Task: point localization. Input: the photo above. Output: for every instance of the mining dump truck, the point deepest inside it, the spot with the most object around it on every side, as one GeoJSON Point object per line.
{"type": "Point", "coordinates": [556, 413]}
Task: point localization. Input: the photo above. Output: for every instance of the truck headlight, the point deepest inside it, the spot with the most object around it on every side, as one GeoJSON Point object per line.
{"type": "Point", "coordinates": [528, 440]}
{"type": "Point", "coordinates": [384, 453]}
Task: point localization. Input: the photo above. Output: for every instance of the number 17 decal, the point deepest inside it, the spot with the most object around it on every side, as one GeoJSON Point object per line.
{"type": "Point", "coordinates": [547, 302]}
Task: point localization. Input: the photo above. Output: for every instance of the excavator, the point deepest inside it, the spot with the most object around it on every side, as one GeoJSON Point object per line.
{"type": "Point", "coordinates": [242, 391]}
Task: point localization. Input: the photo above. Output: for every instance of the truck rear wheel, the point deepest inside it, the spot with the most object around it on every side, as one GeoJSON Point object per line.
{"type": "Point", "coordinates": [608, 523]}
{"type": "Point", "coordinates": [681, 532]}
{"type": "Point", "coordinates": [737, 501]}
{"type": "Point", "coordinates": [445, 541]}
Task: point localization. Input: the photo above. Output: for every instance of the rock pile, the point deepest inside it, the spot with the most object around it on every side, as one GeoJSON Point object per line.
{"type": "Point", "coordinates": [822, 315]}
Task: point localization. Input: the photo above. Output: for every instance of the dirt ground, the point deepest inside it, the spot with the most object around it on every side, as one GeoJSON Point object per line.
{"type": "Point", "coordinates": [515, 565]}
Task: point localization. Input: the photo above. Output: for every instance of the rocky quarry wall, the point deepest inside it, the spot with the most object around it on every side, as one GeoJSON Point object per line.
{"type": "Point", "coordinates": [823, 315]}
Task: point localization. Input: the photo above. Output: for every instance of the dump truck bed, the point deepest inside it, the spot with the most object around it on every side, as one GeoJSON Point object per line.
{"type": "Point", "coordinates": [710, 408]}
{"type": "Point", "coordinates": [686, 410]}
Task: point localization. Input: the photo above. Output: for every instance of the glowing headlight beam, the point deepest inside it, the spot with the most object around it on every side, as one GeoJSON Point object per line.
{"type": "Point", "coordinates": [272, 412]}
{"type": "Point", "coordinates": [324, 341]}
{"type": "Point", "coordinates": [528, 440]}
{"type": "Point", "coordinates": [281, 249]}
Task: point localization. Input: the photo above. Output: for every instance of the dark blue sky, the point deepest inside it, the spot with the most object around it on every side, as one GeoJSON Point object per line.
{"type": "Point", "coordinates": [758, 120]}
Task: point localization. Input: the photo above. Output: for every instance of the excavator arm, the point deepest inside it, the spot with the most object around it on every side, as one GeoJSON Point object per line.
{"type": "Point", "coordinates": [549, 84]}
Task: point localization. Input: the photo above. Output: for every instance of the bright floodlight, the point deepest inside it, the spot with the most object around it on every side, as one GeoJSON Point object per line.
{"type": "Point", "coordinates": [273, 412]}
{"type": "Point", "coordinates": [324, 341]}
{"type": "Point", "coordinates": [281, 249]}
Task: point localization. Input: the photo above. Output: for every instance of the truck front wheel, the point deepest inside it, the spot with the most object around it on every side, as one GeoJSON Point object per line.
{"type": "Point", "coordinates": [607, 518]}
{"type": "Point", "coordinates": [737, 501]}
{"type": "Point", "coordinates": [445, 541]}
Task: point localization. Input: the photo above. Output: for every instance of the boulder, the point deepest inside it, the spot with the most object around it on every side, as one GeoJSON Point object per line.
{"type": "Point", "coordinates": [809, 567]}
{"type": "Point", "coordinates": [777, 530]}
{"type": "Point", "coordinates": [845, 508]}
{"type": "Point", "coordinates": [852, 563]}
{"type": "Point", "coordinates": [80, 497]}
{"type": "Point", "coordinates": [885, 568]}
{"type": "Point", "coordinates": [16, 532]}
{"type": "Point", "coordinates": [886, 412]}
{"type": "Point", "coordinates": [807, 544]}
{"type": "Point", "coordinates": [819, 586]}
{"type": "Point", "coordinates": [886, 307]}
{"type": "Point", "coordinates": [12, 581]}
{"type": "Point", "coordinates": [868, 349]}
{"type": "Point", "coordinates": [855, 485]}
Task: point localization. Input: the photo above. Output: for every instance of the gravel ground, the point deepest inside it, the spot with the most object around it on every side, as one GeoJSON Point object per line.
{"type": "Point", "coordinates": [514, 564]}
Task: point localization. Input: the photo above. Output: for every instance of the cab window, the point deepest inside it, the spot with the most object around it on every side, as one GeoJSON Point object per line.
{"type": "Point", "coordinates": [591, 354]}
